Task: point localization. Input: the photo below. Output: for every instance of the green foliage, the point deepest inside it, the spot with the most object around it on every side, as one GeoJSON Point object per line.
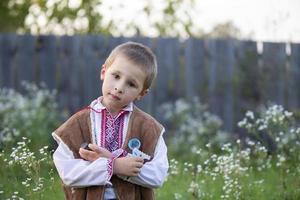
{"type": "Point", "coordinates": [279, 125]}
{"type": "Point", "coordinates": [33, 115]}
{"type": "Point", "coordinates": [171, 18]}
{"type": "Point", "coordinates": [240, 170]}
{"type": "Point", "coordinates": [42, 16]}
{"type": "Point", "coordinates": [224, 177]}
{"type": "Point", "coordinates": [13, 14]}
{"type": "Point", "coordinates": [224, 30]}
{"type": "Point", "coordinates": [31, 174]}
{"type": "Point", "coordinates": [191, 127]}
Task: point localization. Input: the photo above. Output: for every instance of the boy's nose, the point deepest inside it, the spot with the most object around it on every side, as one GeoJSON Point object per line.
{"type": "Point", "coordinates": [119, 86]}
{"type": "Point", "coordinates": [119, 89]}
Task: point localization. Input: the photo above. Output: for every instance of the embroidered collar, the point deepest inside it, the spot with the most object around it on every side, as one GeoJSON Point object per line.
{"type": "Point", "coordinates": [97, 106]}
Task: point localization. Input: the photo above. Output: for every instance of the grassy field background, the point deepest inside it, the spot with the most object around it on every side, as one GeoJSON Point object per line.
{"type": "Point", "coordinates": [205, 161]}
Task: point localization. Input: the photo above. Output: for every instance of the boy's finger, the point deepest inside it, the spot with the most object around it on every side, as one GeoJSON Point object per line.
{"type": "Point", "coordinates": [86, 154]}
{"type": "Point", "coordinates": [82, 153]}
{"type": "Point", "coordinates": [139, 159]}
{"type": "Point", "coordinates": [94, 147]}
{"type": "Point", "coordinates": [136, 171]}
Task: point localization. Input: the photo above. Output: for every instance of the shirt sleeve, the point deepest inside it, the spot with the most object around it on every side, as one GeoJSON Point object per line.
{"type": "Point", "coordinates": [153, 173]}
{"type": "Point", "coordinates": [79, 172]}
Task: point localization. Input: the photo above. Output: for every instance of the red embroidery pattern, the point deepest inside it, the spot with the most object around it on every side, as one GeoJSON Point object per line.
{"type": "Point", "coordinates": [111, 130]}
{"type": "Point", "coordinates": [115, 154]}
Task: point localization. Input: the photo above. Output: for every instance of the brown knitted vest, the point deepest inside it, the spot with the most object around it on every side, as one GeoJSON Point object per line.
{"type": "Point", "coordinates": [77, 130]}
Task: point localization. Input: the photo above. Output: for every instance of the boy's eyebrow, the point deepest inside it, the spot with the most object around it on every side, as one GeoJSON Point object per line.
{"type": "Point", "coordinates": [134, 81]}
{"type": "Point", "coordinates": [116, 71]}
{"type": "Point", "coordinates": [130, 79]}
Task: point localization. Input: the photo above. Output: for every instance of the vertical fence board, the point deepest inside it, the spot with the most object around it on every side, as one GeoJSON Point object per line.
{"type": "Point", "coordinates": [247, 79]}
{"type": "Point", "coordinates": [46, 60]}
{"type": "Point", "coordinates": [161, 87]}
{"type": "Point", "coordinates": [273, 72]}
{"type": "Point", "coordinates": [212, 75]}
{"type": "Point", "coordinates": [167, 57]}
{"type": "Point", "coordinates": [62, 81]}
{"type": "Point", "coordinates": [92, 46]}
{"type": "Point", "coordinates": [1, 62]}
{"type": "Point", "coordinates": [293, 79]}
{"type": "Point", "coordinates": [101, 52]}
{"type": "Point", "coordinates": [9, 49]}
{"type": "Point", "coordinates": [25, 59]}
{"type": "Point", "coordinates": [229, 63]}
{"type": "Point", "coordinates": [221, 69]}
{"type": "Point", "coordinates": [194, 69]}
{"type": "Point", "coordinates": [169, 62]}
{"type": "Point", "coordinates": [76, 72]}
{"type": "Point", "coordinates": [87, 57]}
{"type": "Point", "coordinates": [69, 72]}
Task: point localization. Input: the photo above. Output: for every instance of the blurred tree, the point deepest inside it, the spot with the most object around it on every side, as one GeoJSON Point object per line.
{"type": "Point", "coordinates": [225, 30]}
{"type": "Point", "coordinates": [52, 16]}
{"type": "Point", "coordinates": [65, 17]}
{"type": "Point", "coordinates": [178, 18]}
{"type": "Point", "coordinates": [170, 18]}
{"type": "Point", "coordinates": [13, 14]}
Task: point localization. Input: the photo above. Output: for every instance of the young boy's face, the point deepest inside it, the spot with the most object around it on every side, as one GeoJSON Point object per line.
{"type": "Point", "coordinates": [123, 82]}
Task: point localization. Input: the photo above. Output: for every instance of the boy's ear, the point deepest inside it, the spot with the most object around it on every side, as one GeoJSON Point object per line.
{"type": "Point", "coordinates": [142, 94]}
{"type": "Point", "coordinates": [102, 72]}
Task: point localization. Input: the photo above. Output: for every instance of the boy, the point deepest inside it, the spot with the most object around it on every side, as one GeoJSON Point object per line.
{"type": "Point", "coordinates": [114, 127]}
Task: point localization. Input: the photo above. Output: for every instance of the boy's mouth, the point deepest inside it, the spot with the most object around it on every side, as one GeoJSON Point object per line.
{"type": "Point", "coordinates": [115, 97]}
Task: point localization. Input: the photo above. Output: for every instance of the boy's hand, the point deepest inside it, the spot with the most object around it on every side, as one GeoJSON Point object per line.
{"type": "Point", "coordinates": [95, 153]}
{"type": "Point", "coordinates": [128, 166]}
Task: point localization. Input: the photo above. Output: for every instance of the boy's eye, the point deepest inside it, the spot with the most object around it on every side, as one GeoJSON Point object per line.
{"type": "Point", "coordinates": [116, 76]}
{"type": "Point", "coordinates": [131, 84]}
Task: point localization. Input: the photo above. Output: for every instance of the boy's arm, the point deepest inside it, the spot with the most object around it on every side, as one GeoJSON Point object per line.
{"type": "Point", "coordinates": [78, 172]}
{"type": "Point", "coordinates": [126, 166]}
{"type": "Point", "coordinates": [153, 173]}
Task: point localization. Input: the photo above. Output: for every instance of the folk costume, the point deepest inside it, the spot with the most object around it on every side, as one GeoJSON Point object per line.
{"type": "Point", "coordinates": [95, 180]}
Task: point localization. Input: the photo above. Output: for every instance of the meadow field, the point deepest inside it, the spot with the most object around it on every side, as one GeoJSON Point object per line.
{"type": "Point", "coordinates": [206, 162]}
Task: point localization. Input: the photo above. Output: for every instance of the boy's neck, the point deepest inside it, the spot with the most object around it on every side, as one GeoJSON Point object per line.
{"type": "Point", "coordinates": [112, 112]}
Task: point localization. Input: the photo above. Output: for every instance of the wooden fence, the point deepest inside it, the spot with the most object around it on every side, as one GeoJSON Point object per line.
{"type": "Point", "coordinates": [230, 76]}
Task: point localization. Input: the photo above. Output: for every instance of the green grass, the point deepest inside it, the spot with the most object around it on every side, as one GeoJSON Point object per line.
{"type": "Point", "coordinates": [276, 185]}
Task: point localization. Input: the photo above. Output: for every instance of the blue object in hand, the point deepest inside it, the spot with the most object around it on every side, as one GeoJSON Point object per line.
{"type": "Point", "coordinates": [134, 143]}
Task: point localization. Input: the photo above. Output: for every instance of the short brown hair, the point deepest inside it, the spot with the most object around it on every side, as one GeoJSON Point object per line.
{"type": "Point", "coordinates": [140, 55]}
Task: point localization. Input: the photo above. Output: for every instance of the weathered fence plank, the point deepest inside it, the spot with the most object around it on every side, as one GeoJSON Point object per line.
{"type": "Point", "coordinates": [46, 60]}
{"type": "Point", "coordinates": [1, 61]}
{"type": "Point", "coordinates": [9, 50]}
{"type": "Point", "coordinates": [246, 82]}
{"type": "Point", "coordinates": [75, 70]}
{"type": "Point", "coordinates": [293, 78]}
{"type": "Point", "coordinates": [221, 69]}
{"type": "Point", "coordinates": [212, 75]}
{"type": "Point", "coordinates": [69, 71]}
{"type": "Point", "coordinates": [273, 73]}
{"type": "Point", "coordinates": [91, 68]}
{"type": "Point", "coordinates": [195, 73]}
{"type": "Point", "coordinates": [25, 66]}
{"type": "Point", "coordinates": [229, 65]}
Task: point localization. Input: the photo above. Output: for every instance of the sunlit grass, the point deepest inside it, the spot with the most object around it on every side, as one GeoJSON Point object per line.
{"type": "Point", "coordinates": [203, 164]}
{"type": "Point", "coordinates": [268, 184]}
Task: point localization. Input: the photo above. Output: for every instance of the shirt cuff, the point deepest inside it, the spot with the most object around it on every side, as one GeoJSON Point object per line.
{"type": "Point", "coordinates": [115, 154]}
